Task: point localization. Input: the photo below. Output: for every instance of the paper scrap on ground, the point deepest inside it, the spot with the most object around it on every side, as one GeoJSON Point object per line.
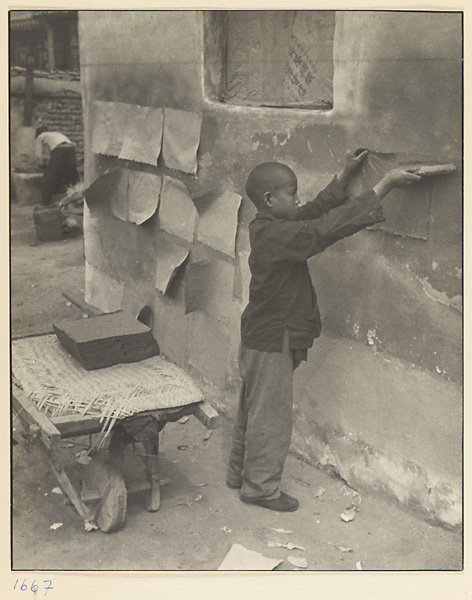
{"type": "Point", "coordinates": [296, 561]}
{"type": "Point", "coordinates": [56, 526]}
{"type": "Point", "coordinates": [90, 526]}
{"type": "Point", "coordinates": [280, 530]}
{"type": "Point", "coordinates": [108, 189]}
{"type": "Point", "coordinates": [218, 222]}
{"type": "Point", "coordinates": [177, 212]}
{"type": "Point", "coordinates": [359, 565]}
{"type": "Point", "coordinates": [143, 195]}
{"type": "Point", "coordinates": [143, 135]}
{"type": "Point", "coordinates": [56, 490]}
{"type": "Point", "coordinates": [109, 124]}
{"type": "Point", "coordinates": [320, 491]}
{"type": "Point", "coordinates": [82, 458]}
{"type": "Point", "coordinates": [209, 287]}
{"type": "Point", "coordinates": [287, 545]}
{"type": "Point", "coordinates": [169, 257]}
{"type": "Point", "coordinates": [342, 548]}
{"type": "Point", "coordinates": [348, 515]}
{"type": "Point", "coordinates": [181, 139]}
{"type": "Point", "coordinates": [240, 558]}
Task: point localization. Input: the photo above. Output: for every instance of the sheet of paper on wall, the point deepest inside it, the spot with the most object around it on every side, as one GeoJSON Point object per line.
{"type": "Point", "coordinates": [109, 124]}
{"type": "Point", "coordinates": [143, 135]}
{"type": "Point", "coordinates": [181, 139]}
{"type": "Point", "coordinates": [107, 190]}
{"type": "Point", "coordinates": [218, 222]}
{"type": "Point", "coordinates": [102, 291]}
{"type": "Point", "coordinates": [119, 197]}
{"type": "Point", "coordinates": [92, 242]}
{"type": "Point", "coordinates": [209, 288]}
{"type": "Point", "coordinates": [245, 276]}
{"type": "Point", "coordinates": [143, 195]}
{"type": "Point", "coordinates": [169, 257]}
{"type": "Point", "coordinates": [177, 213]}
{"type": "Point", "coordinates": [407, 211]}
{"type": "Point", "coordinates": [309, 71]}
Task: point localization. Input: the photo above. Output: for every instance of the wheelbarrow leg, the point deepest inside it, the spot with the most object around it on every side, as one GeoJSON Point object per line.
{"type": "Point", "coordinates": [66, 485]}
{"type": "Point", "coordinates": [151, 463]}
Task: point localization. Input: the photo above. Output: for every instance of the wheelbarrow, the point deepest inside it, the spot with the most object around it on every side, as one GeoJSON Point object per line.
{"type": "Point", "coordinates": [43, 373]}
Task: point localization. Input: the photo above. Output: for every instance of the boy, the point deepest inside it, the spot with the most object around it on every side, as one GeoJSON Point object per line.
{"type": "Point", "coordinates": [282, 318]}
{"type": "Point", "coordinates": [56, 152]}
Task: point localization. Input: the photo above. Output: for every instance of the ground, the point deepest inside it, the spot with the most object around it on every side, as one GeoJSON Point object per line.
{"type": "Point", "coordinates": [200, 518]}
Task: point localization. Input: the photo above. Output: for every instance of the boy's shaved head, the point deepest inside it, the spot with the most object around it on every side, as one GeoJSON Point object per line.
{"type": "Point", "coordinates": [268, 177]}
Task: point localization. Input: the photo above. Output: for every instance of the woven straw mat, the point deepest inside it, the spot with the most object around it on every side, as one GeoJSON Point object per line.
{"type": "Point", "coordinates": [58, 385]}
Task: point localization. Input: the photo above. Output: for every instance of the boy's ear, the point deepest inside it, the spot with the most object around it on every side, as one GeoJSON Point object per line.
{"type": "Point", "coordinates": [267, 199]}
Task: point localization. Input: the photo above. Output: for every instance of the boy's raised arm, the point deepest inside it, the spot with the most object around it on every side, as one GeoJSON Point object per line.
{"type": "Point", "coordinates": [396, 178]}
{"type": "Point", "coordinates": [334, 194]}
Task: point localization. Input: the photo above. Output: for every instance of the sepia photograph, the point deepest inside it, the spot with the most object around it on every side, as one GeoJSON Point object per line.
{"type": "Point", "coordinates": [214, 213]}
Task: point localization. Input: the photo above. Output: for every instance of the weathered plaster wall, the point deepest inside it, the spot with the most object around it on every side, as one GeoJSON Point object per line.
{"type": "Point", "coordinates": [380, 397]}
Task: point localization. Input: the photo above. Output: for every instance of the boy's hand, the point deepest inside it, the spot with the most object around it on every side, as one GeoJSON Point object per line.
{"type": "Point", "coordinates": [402, 177]}
{"type": "Point", "coordinates": [396, 178]}
{"type": "Point", "coordinates": [352, 164]}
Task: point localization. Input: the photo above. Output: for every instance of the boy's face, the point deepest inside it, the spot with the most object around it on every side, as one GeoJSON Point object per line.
{"type": "Point", "coordinates": [284, 201]}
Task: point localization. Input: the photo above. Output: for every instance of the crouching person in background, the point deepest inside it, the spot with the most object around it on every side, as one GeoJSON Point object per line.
{"type": "Point", "coordinates": [56, 153]}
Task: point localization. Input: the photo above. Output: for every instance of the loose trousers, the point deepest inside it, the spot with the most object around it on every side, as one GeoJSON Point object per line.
{"type": "Point", "coordinates": [60, 172]}
{"type": "Point", "coordinates": [263, 426]}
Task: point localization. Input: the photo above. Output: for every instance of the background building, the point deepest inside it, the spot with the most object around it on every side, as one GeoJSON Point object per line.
{"type": "Point", "coordinates": [47, 42]}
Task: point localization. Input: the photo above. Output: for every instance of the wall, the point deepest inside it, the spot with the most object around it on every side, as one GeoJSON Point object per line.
{"type": "Point", "coordinates": [379, 400]}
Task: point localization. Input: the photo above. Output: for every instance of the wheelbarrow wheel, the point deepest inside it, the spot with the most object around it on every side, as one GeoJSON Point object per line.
{"type": "Point", "coordinates": [107, 481]}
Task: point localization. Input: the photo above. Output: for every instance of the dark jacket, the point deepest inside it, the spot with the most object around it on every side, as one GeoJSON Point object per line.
{"type": "Point", "coordinates": [281, 294]}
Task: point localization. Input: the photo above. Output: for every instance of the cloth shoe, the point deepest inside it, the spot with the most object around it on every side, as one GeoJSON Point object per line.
{"type": "Point", "coordinates": [283, 503]}
{"type": "Point", "coordinates": [233, 486]}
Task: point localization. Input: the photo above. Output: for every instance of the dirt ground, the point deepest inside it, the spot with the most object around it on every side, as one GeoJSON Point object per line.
{"type": "Point", "coordinates": [200, 518]}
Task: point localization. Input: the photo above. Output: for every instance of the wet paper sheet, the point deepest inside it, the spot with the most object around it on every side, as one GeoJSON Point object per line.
{"type": "Point", "coordinates": [218, 222]}
{"type": "Point", "coordinates": [181, 139]}
{"type": "Point", "coordinates": [245, 276]}
{"type": "Point", "coordinates": [109, 124]}
{"type": "Point", "coordinates": [109, 191]}
{"type": "Point", "coordinates": [169, 257]}
{"type": "Point", "coordinates": [209, 287]}
{"type": "Point", "coordinates": [407, 211]}
{"type": "Point", "coordinates": [102, 291]}
{"type": "Point", "coordinates": [143, 135]}
{"type": "Point", "coordinates": [143, 196]}
{"type": "Point", "coordinates": [177, 213]}
{"type": "Point", "coordinates": [240, 558]}
{"type": "Point", "coordinates": [309, 71]}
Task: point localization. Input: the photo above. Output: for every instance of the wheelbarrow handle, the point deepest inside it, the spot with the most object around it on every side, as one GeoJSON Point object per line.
{"type": "Point", "coordinates": [85, 307]}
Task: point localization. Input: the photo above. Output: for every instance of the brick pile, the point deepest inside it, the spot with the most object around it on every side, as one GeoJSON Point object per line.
{"type": "Point", "coordinates": [63, 112]}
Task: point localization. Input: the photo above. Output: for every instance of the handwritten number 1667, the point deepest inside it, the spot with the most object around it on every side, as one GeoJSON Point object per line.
{"type": "Point", "coordinates": [34, 587]}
